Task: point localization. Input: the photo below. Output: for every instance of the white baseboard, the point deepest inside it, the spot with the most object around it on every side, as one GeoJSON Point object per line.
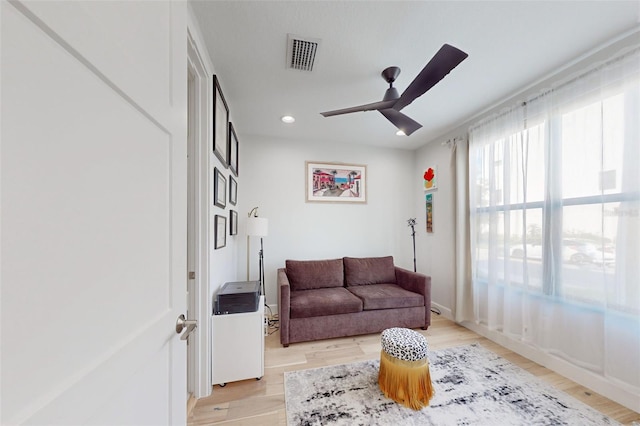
{"type": "Point", "coordinates": [273, 312]}
{"type": "Point", "coordinates": [586, 378]}
{"type": "Point", "coordinates": [445, 312]}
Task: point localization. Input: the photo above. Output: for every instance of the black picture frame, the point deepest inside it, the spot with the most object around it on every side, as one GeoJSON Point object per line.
{"type": "Point", "coordinates": [233, 149]}
{"type": "Point", "coordinates": [220, 124]}
{"type": "Point", "coordinates": [233, 191]}
{"type": "Point", "coordinates": [220, 231]}
{"type": "Point", "coordinates": [233, 222]}
{"type": "Point", "coordinates": [219, 188]}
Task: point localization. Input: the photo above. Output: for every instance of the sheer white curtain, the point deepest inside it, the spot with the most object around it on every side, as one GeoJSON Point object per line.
{"type": "Point", "coordinates": [463, 306]}
{"type": "Point", "coordinates": [554, 202]}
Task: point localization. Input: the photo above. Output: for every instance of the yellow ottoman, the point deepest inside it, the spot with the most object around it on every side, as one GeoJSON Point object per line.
{"type": "Point", "coordinates": [404, 368]}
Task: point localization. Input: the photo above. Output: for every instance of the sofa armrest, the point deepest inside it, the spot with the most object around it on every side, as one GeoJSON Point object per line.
{"type": "Point", "coordinates": [417, 283]}
{"type": "Point", "coordinates": [284, 305]}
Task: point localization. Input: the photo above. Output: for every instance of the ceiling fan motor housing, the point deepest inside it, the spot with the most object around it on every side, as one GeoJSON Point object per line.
{"type": "Point", "coordinates": [391, 94]}
{"type": "Point", "coordinates": [390, 74]}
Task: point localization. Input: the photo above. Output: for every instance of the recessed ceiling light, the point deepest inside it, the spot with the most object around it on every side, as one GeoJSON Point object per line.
{"type": "Point", "coordinates": [288, 119]}
{"type": "Point", "coordinates": [400, 133]}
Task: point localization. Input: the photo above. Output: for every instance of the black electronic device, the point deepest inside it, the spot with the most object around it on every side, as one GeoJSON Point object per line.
{"type": "Point", "coordinates": [237, 297]}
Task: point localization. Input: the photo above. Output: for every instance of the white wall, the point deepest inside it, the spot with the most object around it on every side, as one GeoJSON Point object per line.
{"type": "Point", "coordinates": [436, 250]}
{"type": "Point", "coordinates": [217, 266]}
{"type": "Point", "coordinates": [272, 177]}
{"type": "Point", "coordinates": [222, 261]}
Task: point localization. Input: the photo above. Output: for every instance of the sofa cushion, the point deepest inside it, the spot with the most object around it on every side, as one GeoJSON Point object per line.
{"type": "Point", "coordinates": [369, 270]}
{"type": "Point", "coordinates": [310, 274]}
{"type": "Point", "coordinates": [386, 296]}
{"type": "Point", "coordinates": [323, 301]}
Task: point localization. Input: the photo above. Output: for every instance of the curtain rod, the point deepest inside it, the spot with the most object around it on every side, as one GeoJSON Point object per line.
{"type": "Point", "coordinates": [619, 56]}
{"type": "Point", "coordinates": [623, 54]}
{"type": "Point", "coordinates": [451, 141]}
{"type": "Point", "coordinates": [585, 56]}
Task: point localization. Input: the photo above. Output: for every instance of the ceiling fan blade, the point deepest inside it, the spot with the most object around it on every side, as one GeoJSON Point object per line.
{"type": "Point", "coordinates": [401, 121]}
{"type": "Point", "coordinates": [367, 107]}
{"type": "Point", "coordinates": [446, 59]}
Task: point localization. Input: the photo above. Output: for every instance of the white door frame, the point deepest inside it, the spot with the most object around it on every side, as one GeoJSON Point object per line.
{"type": "Point", "coordinates": [191, 246]}
{"type": "Point", "coordinates": [201, 369]}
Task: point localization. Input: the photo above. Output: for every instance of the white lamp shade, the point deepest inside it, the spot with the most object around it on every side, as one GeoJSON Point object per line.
{"type": "Point", "coordinates": [257, 226]}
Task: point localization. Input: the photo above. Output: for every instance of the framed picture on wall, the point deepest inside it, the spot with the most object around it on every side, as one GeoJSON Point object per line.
{"type": "Point", "coordinates": [336, 182]}
{"type": "Point", "coordinates": [430, 177]}
{"type": "Point", "coordinates": [233, 191]}
{"type": "Point", "coordinates": [428, 199]}
{"type": "Point", "coordinates": [220, 231]}
{"type": "Point", "coordinates": [233, 150]}
{"type": "Point", "coordinates": [220, 124]}
{"type": "Point", "coordinates": [219, 188]}
{"type": "Point", "coordinates": [233, 222]}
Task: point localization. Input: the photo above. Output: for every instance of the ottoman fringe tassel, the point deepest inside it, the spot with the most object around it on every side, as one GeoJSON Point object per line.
{"type": "Point", "coordinates": [406, 382]}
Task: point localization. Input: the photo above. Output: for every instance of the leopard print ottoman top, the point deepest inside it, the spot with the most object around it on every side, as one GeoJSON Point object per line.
{"type": "Point", "coordinates": [404, 344]}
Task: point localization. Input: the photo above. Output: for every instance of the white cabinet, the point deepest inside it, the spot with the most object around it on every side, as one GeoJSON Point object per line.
{"type": "Point", "coordinates": [237, 346]}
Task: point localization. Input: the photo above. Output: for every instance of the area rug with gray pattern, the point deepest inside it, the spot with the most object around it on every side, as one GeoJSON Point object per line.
{"type": "Point", "coordinates": [474, 386]}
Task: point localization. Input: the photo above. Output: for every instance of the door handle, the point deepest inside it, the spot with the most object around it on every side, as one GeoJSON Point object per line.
{"type": "Point", "coordinates": [182, 323]}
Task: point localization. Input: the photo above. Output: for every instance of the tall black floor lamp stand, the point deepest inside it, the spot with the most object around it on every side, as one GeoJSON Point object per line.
{"type": "Point", "coordinates": [270, 322]}
{"type": "Point", "coordinates": [412, 224]}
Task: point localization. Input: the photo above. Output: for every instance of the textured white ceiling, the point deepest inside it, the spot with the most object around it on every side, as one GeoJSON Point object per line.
{"type": "Point", "coordinates": [510, 44]}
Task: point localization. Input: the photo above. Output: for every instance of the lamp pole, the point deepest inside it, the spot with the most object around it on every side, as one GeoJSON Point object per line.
{"type": "Point", "coordinates": [257, 227]}
{"type": "Point", "coordinates": [254, 211]}
{"type": "Point", "coordinates": [412, 223]}
{"type": "Point", "coordinates": [261, 256]}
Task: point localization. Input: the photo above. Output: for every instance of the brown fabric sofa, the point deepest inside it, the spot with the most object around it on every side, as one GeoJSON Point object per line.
{"type": "Point", "coordinates": [321, 299]}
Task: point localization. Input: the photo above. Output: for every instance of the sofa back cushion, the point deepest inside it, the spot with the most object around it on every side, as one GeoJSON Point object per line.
{"type": "Point", "coordinates": [310, 274]}
{"type": "Point", "coordinates": [369, 270]}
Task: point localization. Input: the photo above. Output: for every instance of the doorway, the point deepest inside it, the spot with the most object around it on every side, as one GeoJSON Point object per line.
{"type": "Point", "coordinates": [198, 367]}
{"type": "Point", "coordinates": [191, 274]}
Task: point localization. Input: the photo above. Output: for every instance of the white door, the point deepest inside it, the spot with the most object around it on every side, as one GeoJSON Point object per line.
{"type": "Point", "coordinates": [93, 212]}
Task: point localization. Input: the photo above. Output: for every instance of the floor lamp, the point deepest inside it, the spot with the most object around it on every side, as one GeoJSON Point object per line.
{"type": "Point", "coordinates": [412, 223]}
{"type": "Point", "coordinates": [257, 227]}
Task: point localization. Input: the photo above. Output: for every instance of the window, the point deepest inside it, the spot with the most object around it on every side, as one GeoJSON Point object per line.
{"type": "Point", "coordinates": [554, 205]}
{"type": "Point", "coordinates": [551, 200]}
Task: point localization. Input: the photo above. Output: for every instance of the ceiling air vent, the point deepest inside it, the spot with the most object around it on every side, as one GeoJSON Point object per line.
{"type": "Point", "coordinates": [301, 52]}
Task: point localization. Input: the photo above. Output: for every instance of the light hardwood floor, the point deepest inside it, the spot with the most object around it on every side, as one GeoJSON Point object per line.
{"type": "Point", "coordinates": [261, 402]}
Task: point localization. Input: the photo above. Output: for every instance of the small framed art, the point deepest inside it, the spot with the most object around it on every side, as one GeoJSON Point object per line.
{"type": "Point", "coordinates": [233, 150]}
{"type": "Point", "coordinates": [430, 178]}
{"type": "Point", "coordinates": [220, 231]}
{"type": "Point", "coordinates": [336, 182]}
{"type": "Point", "coordinates": [219, 188]}
{"type": "Point", "coordinates": [233, 191]}
{"type": "Point", "coordinates": [220, 124]}
{"type": "Point", "coordinates": [233, 222]}
{"type": "Point", "coordinates": [429, 207]}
